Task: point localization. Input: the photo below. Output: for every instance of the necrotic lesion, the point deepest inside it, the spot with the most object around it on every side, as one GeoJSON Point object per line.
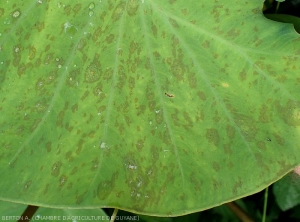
{"type": "Point", "coordinates": [169, 95]}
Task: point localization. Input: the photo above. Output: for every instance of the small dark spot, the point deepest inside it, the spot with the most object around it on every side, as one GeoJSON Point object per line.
{"type": "Point", "coordinates": [243, 75]}
{"type": "Point", "coordinates": [74, 108]}
{"type": "Point", "coordinates": [132, 7]}
{"type": "Point", "coordinates": [227, 149]}
{"type": "Point", "coordinates": [80, 198]}
{"type": "Point", "coordinates": [79, 146]}
{"type": "Point", "coordinates": [206, 44]}
{"type": "Point", "coordinates": [140, 144]}
{"type": "Point", "coordinates": [67, 10]}
{"type": "Point", "coordinates": [46, 188]}
{"type": "Point", "coordinates": [85, 95]}
{"type": "Point", "coordinates": [118, 11]}
{"type": "Point", "coordinates": [74, 170]}
{"type": "Point", "coordinates": [182, 197]}
{"type": "Point", "coordinates": [70, 186]}
{"type": "Point", "coordinates": [82, 43]}
{"type": "Point", "coordinates": [216, 166]}
{"type": "Point", "coordinates": [105, 187]}
{"type": "Point", "coordinates": [92, 73]}
{"type": "Point", "coordinates": [212, 135]}
{"type": "Point", "coordinates": [201, 95]}
{"type": "Point", "coordinates": [268, 139]}
{"type": "Point", "coordinates": [169, 95]}
{"type": "Point", "coordinates": [56, 168]}
{"type": "Point", "coordinates": [1, 12]}
{"type": "Point", "coordinates": [230, 131]}
{"type": "Point", "coordinates": [110, 38]}
{"type": "Point", "coordinates": [154, 30]}
{"type": "Point", "coordinates": [48, 146]}
{"type": "Point", "coordinates": [279, 139]}
{"type": "Point", "coordinates": [173, 23]}
{"type": "Point", "coordinates": [39, 26]}
{"type": "Point", "coordinates": [27, 185]}
{"type": "Point", "coordinates": [76, 8]}
{"type": "Point", "coordinates": [62, 181]}
{"type": "Point", "coordinates": [261, 145]}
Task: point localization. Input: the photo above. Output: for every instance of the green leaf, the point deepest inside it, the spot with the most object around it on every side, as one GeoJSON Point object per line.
{"type": "Point", "coordinates": [286, 19]}
{"type": "Point", "coordinates": [287, 191]}
{"type": "Point", "coordinates": [157, 107]}
{"type": "Point", "coordinates": [70, 215]}
{"type": "Point", "coordinates": [295, 213]}
{"type": "Point", "coordinates": [11, 212]}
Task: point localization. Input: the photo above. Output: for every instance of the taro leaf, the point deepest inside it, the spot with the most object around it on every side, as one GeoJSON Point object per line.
{"type": "Point", "coordinates": [11, 212]}
{"type": "Point", "coordinates": [70, 215]}
{"type": "Point", "coordinates": [156, 107]}
{"type": "Point", "coordinates": [286, 19]}
{"type": "Point", "coordinates": [287, 191]}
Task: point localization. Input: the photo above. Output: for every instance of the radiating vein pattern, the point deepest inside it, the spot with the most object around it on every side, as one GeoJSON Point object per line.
{"type": "Point", "coordinates": [155, 107]}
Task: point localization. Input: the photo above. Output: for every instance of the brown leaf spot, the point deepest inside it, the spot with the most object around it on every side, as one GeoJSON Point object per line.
{"type": "Point", "coordinates": [216, 166]}
{"type": "Point", "coordinates": [212, 135]}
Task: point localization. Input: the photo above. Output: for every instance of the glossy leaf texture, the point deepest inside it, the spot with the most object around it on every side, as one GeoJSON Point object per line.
{"type": "Point", "coordinates": [155, 107]}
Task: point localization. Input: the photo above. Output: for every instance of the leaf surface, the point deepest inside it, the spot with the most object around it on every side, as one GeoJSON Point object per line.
{"type": "Point", "coordinates": [287, 191]}
{"type": "Point", "coordinates": [155, 107]}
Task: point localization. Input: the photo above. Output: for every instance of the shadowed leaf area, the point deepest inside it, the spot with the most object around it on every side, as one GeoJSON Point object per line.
{"type": "Point", "coordinates": [154, 107]}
